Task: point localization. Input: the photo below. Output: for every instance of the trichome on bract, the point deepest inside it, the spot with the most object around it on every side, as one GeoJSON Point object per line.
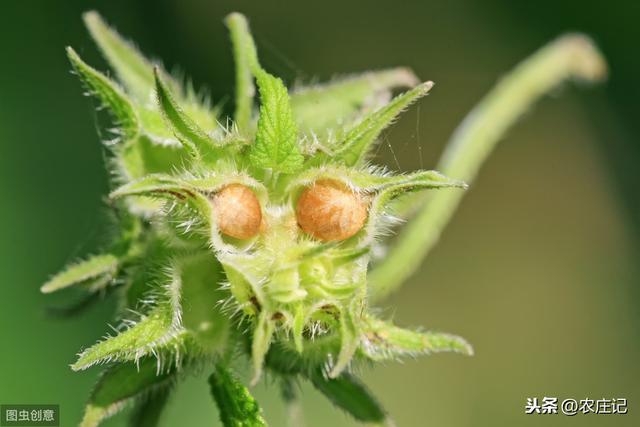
{"type": "Point", "coordinates": [245, 235]}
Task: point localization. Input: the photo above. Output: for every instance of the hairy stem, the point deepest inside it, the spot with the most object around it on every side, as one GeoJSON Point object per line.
{"type": "Point", "coordinates": [570, 56]}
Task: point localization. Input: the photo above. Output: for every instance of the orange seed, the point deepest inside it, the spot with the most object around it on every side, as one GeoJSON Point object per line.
{"type": "Point", "coordinates": [328, 210]}
{"type": "Point", "coordinates": [237, 211]}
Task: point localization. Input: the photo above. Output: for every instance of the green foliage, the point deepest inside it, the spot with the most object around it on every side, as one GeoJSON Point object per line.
{"type": "Point", "coordinates": [349, 394]}
{"type": "Point", "coordinates": [190, 296]}
{"type": "Point", "coordinates": [237, 407]}
{"type": "Point", "coordinates": [323, 110]}
{"type": "Point", "coordinates": [125, 383]}
{"type": "Point", "coordinates": [93, 273]}
{"type": "Point", "coordinates": [359, 140]}
{"type": "Point", "coordinates": [184, 128]}
{"type": "Point", "coordinates": [111, 96]}
{"type": "Point", "coordinates": [244, 53]}
{"type": "Point", "coordinates": [385, 341]}
{"type": "Point", "coordinates": [276, 138]}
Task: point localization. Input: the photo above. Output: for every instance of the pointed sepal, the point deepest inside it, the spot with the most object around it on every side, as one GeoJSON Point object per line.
{"type": "Point", "coordinates": [349, 341]}
{"type": "Point", "coordinates": [359, 140]}
{"type": "Point", "coordinates": [382, 341]}
{"type": "Point", "coordinates": [110, 95]}
{"type": "Point", "coordinates": [260, 343]}
{"type": "Point", "coordinates": [95, 272]}
{"type": "Point", "coordinates": [323, 109]}
{"type": "Point", "coordinates": [184, 128]}
{"type": "Point", "coordinates": [157, 331]}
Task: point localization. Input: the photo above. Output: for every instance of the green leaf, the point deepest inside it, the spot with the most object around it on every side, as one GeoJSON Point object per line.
{"type": "Point", "coordinates": [148, 411]}
{"type": "Point", "coordinates": [276, 138]}
{"type": "Point", "coordinates": [185, 129]}
{"type": "Point", "coordinates": [382, 341]}
{"type": "Point", "coordinates": [262, 335]}
{"type": "Point", "coordinates": [155, 331]}
{"type": "Point", "coordinates": [361, 138]}
{"type": "Point", "coordinates": [97, 267]}
{"type": "Point", "coordinates": [328, 106]}
{"type": "Point", "coordinates": [236, 405]}
{"type": "Point", "coordinates": [123, 384]}
{"type": "Point", "coordinates": [244, 53]}
{"type": "Point", "coordinates": [349, 394]}
{"type": "Point", "coordinates": [132, 68]}
{"type": "Point", "coordinates": [111, 96]}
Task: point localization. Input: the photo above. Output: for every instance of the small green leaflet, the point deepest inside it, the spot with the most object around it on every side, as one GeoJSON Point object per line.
{"type": "Point", "coordinates": [276, 138]}
{"type": "Point", "coordinates": [237, 407]}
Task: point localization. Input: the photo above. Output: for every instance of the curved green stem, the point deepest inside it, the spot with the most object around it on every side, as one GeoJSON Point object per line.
{"type": "Point", "coordinates": [570, 56]}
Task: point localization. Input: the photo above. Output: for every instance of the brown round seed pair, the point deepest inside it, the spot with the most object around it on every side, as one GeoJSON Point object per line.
{"type": "Point", "coordinates": [327, 210]}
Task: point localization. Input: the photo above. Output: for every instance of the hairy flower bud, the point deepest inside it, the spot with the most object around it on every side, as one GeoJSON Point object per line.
{"type": "Point", "coordinates": [329, 211]}
{"type": "Point", "coordinates": [237, 211]}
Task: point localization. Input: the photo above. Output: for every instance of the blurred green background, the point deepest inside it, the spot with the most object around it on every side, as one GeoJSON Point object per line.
{"type": "Point", "coordinates": [539, 269]}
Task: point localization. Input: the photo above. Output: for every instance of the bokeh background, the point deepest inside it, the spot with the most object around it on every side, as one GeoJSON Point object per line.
{"type": "Point", "coordinates": [539, 269]}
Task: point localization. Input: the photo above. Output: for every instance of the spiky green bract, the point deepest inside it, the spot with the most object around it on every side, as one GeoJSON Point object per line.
{"type": "Point", "coordinates": [189, 296]}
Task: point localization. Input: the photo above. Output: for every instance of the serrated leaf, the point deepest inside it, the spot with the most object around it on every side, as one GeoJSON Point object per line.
{"type": "Point", "coordinates": [244, 54]}
{"type": "Point", "coordinates": [321, 108]}
{"type": "Point", "coordinates": [262, 335]}
{"type": "Point", "coordinates": [185, 129]}
{"type": "Point", "coordinates": [349, 394]}
{"type": "Point", "coordinates": [122, 384]}
{"type": "Point", "coordinates": [99, 266]}
{"type": "Point", "coordinates": [160, 327]}
{"type": "Point", "coordinates": [382, 341]}
{"type": "Point", "coordinates": [132, 68]}
{"type": "Point", "coordinates": [236, 405]}
{"type": "Point", "coordinates": [359, 140]}
{"type": "Point", "coordinates": [276, 138]}
{"type": "Point", "coordinates": [111, 96]}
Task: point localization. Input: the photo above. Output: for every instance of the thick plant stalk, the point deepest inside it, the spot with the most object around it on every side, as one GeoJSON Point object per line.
{"type": "Point", "coordinates": [572, 56]}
